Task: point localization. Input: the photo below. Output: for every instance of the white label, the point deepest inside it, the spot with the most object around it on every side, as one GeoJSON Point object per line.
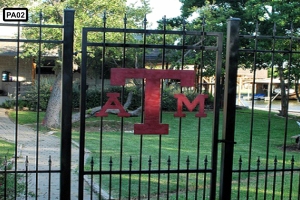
{"type": "Point", "coordinates": [15, 14]}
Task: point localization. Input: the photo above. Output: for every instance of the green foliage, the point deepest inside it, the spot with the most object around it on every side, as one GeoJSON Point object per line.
{"type": "Point", "coordinates": [88, 13]}
{"type": "Point", "coordinates": [31, 96]}
{"type": "Point", "coordinates": [6, 153]}
{"type": "Point", "coordinates": [169, 102]}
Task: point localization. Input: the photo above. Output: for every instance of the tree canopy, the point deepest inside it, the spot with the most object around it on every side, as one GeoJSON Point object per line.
{"type": "Point", "coordinates": [272, 18]}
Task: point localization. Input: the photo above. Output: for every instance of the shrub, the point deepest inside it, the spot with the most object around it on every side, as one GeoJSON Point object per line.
{"type": "Point", "coordinates": [30, 97]}
{"type": "Point", "coordinates": [93, 97]}
{"type": "Point", "coordinates": [7, 180]}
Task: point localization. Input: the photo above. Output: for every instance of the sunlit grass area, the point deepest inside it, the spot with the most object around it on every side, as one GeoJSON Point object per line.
{"type": "Point", "coordinates": [6, 150]}
{"type": "Point", "coordinates": [260, 139]}
{"type": "Point", "coordinates": [188, 145]}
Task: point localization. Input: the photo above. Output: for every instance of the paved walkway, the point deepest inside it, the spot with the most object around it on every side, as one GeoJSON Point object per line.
{"type": "Point", "coordinates": [48, 145]}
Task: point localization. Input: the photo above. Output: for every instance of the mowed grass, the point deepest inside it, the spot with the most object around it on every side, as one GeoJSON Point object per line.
{"type": "Point", "coordinates": [6, 151]}
{"type": "Point", "coordinates": [260, 138]}
{"type": "Point", "coordinates": [188, 145]}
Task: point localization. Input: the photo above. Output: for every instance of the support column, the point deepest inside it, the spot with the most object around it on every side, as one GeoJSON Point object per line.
{"type": "Point", "coordinates": [233, 27]}
{"type": "Point", "coordinates": [66, 114]}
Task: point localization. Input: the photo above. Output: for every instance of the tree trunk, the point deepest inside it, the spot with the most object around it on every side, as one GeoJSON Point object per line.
{"type": "Point", "coordinates": [297, 88]}
{"type": "Point", "coordinates": [284, 96]}
{"type": "Point", "coordinates": [52, 116]}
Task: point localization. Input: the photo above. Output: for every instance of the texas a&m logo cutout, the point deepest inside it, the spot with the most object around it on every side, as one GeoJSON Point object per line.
{"type": "Point", "coordinates": [152, 105]}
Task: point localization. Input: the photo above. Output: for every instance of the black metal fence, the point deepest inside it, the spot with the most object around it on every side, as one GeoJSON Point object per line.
{"type": "Point", "coordinates": [128, 165]}
{"type": "Point", "coordinates": [37, 170]}
{"type": "Point", "coordinates": [252, 161]}
{"type": "Point", "coordinates": [270, 167]}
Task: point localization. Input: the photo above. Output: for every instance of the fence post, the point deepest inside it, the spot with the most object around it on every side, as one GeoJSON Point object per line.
{"type": "Point", "coordinates": [232, 48]}
{"type": "Point", "coordinates": [66, 119]}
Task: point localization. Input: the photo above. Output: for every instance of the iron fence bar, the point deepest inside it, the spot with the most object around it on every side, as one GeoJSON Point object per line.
{"type": "Point", "coordinates": [187, 179]}
{"type": "Point", "coordinates": [92, 177]}
{"type": "Point", "coordinates": [287, 108]}
{"type": "Point", "coordinates": [291, 178]}
{"type": "Point", "coordinates": [34, 25]}
{"type": "Point", "coordinates": [122, 102]}
{"type": "Point", "coordinates": [257, 177]}
{"type": "Point", "coordinates": [102, 98]}
{"type": "Point", "coordinates": [299, 186]}
{"type": "Point", "coordinates": [142, 104]}
{"type": "Point", "coordinates": [49, 177]}
{"type": "Point", "coordinates": [268, 37]}
{"type": "Point", "coordinates": [166, 171]}
{"type": "Point", "coordinates": [267, 51]}
{"type": "Point", "coordinates": [17, 110]}
{"type": "Point", "coordinates": [269, 170]}
{"type": "Point", "coordinates": [157, 46]}
{"type": "Point", "coordinates": [269, 116]}
{"type": "Point", "coordinates": [66, 120]}
{"type": "Point", "coordinates": [129, 179]}
{"type": "Point", "coordinates": [183, 38]}
{"type": "Point", "coordinates": [147, 32]}
{"type": "Point", "coordinates": [204, 178]}
{"type": "Point", "coordinates": [161, 99]}
{"type": "Point", "coordinates": [239, 177]}
{"type": "Point", "coordinates": [198, 88]}
{"type": "Point", "coordinates": [26, 176]}
{"type": "Point", "coordinates": [252, 109]}
{"type": "Point", "coordinates": [33, 41]}
{"type": "Point", "coordinates": [82, 112]}
{"type": "Point", "coordinates": [5, 177]}
{"type": "Point", "coordinates": [30, 171]}
{"type": "Point", "coordinates": [216, 116]}
{"type": "Point", "coordinates": [229, 108]}
{"type": "Point", "coordinates": [38, 105]}
{"type": "Point", "coordinates": [274, 179]}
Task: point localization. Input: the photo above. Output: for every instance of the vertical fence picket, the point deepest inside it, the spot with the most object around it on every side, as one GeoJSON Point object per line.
{"type": "Point", "coordinates": [168, 176]}
{"type": "Point", "coordinates": [239, 177]}
{"type": "Point", "coordinates": [291, 178]}
{"type": "Point", "coordinates": [205, 178]}
{"type": "Point", "coordinates": [274, 178]}
{"type": "Point", "coordinates": [49, 177]}
{"type": "Point", "coordinates": [187, 178]}
{"type": "Point", "coordinates": [130, 176]}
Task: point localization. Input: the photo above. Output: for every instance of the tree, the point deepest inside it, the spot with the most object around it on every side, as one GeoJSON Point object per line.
{"type": "Point", "coordinates": [88, 13]}
{"type": "Point", "coordinates": [13, 3]}
{"type": "Point", "coordinates": [266, 15]}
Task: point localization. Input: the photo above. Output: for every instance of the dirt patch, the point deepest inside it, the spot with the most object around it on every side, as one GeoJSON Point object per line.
{"type": "Point", "coordinates": [108, 126]}
{"type": "Point", "coordinates": [290, 148]}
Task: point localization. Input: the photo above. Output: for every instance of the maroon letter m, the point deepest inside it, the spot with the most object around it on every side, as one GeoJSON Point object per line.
{"type": "Point", "coordinates": [182, 99]}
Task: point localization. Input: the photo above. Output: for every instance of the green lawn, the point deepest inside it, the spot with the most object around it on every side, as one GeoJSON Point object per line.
{"type": "Point", "coordinates": [126, 151]}
{"type": "Point", "coordinates": [6, 150]}
{"type": "Point", "coordinates": [268, 137]}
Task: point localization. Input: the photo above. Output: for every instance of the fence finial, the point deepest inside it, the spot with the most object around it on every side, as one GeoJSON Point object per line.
{"type": "Point", "coordinates": [145, 21]}
{"type": "Point", "coordinates": [104, 17]}
{"type": "Point", "coordinates": [292, 28]}
{"type": "Point", "coordinates": [125, 19]}
{"type": "Point", "coordinates": [274, 29]}
{"type": "Point", "coordinates": [164, 21]}
{"type": "Point", "coordinates": [256, 28]}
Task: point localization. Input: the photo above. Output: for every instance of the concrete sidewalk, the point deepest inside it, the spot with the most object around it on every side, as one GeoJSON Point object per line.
{"type": "Point", "coordinates": [37, 149]}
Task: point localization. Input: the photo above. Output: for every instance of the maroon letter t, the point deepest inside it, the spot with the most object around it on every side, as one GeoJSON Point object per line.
{"type": "Point", "coordinates": [151, 123]}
